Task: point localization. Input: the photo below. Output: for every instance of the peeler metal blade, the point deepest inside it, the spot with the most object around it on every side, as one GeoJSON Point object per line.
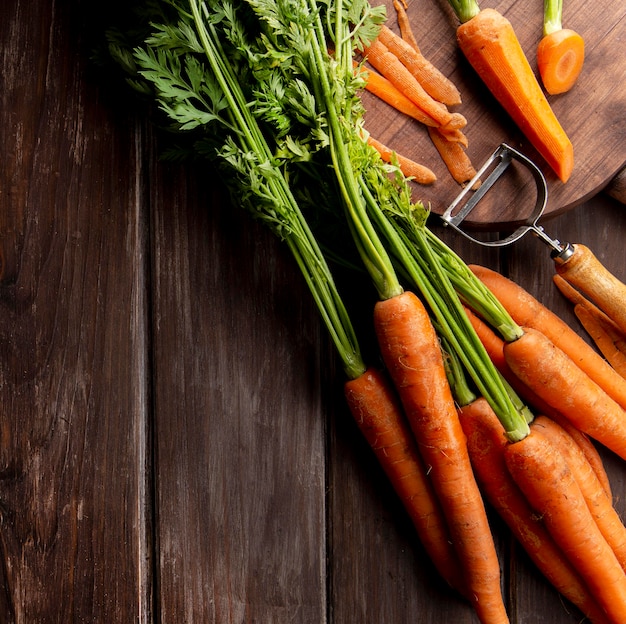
{"type": "Point", "coordinates": [484, 180]}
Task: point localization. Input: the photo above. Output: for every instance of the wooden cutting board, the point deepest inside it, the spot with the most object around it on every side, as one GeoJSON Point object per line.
{"type": "Point", "coordinates": [593, 113]}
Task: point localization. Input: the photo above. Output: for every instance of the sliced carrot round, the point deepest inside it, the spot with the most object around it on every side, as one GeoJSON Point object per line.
{"type": "Point", "coordinates": [560, 58]}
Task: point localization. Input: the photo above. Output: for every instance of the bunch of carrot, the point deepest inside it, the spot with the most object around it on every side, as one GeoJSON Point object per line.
{"type": "Point", "coordinates": [400, 75]}
{"type": "Point", "coordinates": [409, 412]}
{"type": "Point", "coordinates": [551, 487]}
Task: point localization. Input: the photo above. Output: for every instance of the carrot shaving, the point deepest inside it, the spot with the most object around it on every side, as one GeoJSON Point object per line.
{"type": "Point", "coordinates": [411, 169]}
{"type": "Point", "coordinates": [379, 56]}
{"type": "Point", "coordinates": [438, 86]}
{"type": "Point", "coordinates": [454, 156]}
{"type": "Point", "coordinates": [404, 24]}
{"type": "Point", "coordinates": [382, 88]}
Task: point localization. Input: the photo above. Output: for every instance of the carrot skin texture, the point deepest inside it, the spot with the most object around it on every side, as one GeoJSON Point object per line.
{"type": "Point", "coordinates": [527, 311]}
{"type": "Point", "coordinates": [490, 44]}
{"type": "Point", "coordinates": [600, 505]}
{"type": "Point", "coordinates": [553, 376]}
{"type": "Point", "coordinates": [392, 68]}
{"type": "Point", "coordinates": [486, 443]}
{"type": "Point", "coordinates": [560, 59]}
{"type": "Point", "coordinates": [378, 414]}
{"type": "Point", "coordinates": [410, 349]}
{"type": "Point", "coordinates": [453, 155]}
{"type": "Point", "coordinates": [543, 475]}
{"type": "Point", "coordinates": [438, 86]}
{"type": "Point", "coordinates": [384, 89]}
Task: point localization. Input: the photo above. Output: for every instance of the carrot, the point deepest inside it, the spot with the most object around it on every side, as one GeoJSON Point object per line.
{"type": "Point", "coordinates": [543, 475]}
{"type": "Point", "coordinates": [382, 88]}
{"type": "Point", "coordinates": [391, 67]}
{"type": "Point", "coordinates": [454, 156]}
{"type": "Point", "coordinates": [561, 51]}
{"type": "Point", "coordinates": [527, 311]}
{"type": "Point", "coordinates": [584, 271]}
{"type": "Point", "coordinates": [411, 352]}
{"type": "Point", "coordinates": [406, 31]}
{"type": "Point", "coordinates": [599, 503]}
{"type": "Point", "coordinates": [419, 173]}
{"type": "Point", "coordinates": [608, 338]}
{"type": "Point", "coordinates": [488, 41]}
{"type": "Point", "coordinates": [438, 86]}
{"type": "Point", "coordinates": [554, 377]}
{"type": "Point", "coordinates": [378, 414]}
{"type": "Point", "coordinates": [486, 442]}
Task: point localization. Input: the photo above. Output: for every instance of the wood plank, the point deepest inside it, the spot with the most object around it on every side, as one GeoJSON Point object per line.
{"type": "Point", "coordinates": [73, 378]}
{"type": "Point", "coordinates": [240, 444]}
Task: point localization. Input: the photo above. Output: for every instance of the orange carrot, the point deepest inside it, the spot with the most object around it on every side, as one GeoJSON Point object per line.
{"type": "Point", "coordinates": [410, 349]}
{"type": "Point", "coordinates": [382, 88]}
{"type": "Point", "coordinates": [490, 44]}
{"type": "Point", "coordinates": [587, 448]}
{"type": "Point", "coordinates": [406, 31]}
{"type": "Point", "coordinates": [606, 334]}
{"type": "Point", "coordinates": [486, 441]}
{"type": "Point", "coordinates": [561, 51]}
{"type": "Point", "coordinates": [600, 505]}
{"type": "Point", "coordinates": [390, 66]}
{"type": "Point", "coordinates": [438, 86]}
{"type": "Point", "coordinates": [526, 310]}
{"type": "Point", "coordinates": [454, 156]}
{"type": "Point", "coordinates": [543, 475]}
{"type": "Point", "coordinates": [419, 173]}
{"type": "Point", "coordinates": [377, 412]}
{"type": "Point", "coordinates": [607, 337]}
{"type": "Point", "coordinates": [494, 345]}
{"type": "Point", "coordinates": [554, 377]}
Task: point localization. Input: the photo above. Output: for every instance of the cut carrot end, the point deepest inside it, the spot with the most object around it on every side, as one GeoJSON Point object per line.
{"type": "Point", "coordinates": [560, 59]}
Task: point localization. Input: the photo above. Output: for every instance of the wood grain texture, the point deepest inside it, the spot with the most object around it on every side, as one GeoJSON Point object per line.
{"type": "Point", "coordinates": [74, 471]}
{"type": "Point", "coordinates": [174, 443]}
{"type": "Point", "coordinates": [592, 113]}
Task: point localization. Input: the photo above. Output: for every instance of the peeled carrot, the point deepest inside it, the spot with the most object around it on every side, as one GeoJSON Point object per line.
{"type": "Point", "coordinates": [410, 349]}
{"type": "Point", "coordinates": [454, 156]}
{"type": "Point", "coordinates": [377, 412]}
{"type": "Point", "coordinates": [486, 441]}
{"type": "Point", "coordinates": [490, 44]}
{"type": "Point", "coordinates": [553, 376]}
{"type": "Point", "coordinates": [411, 169]}
{"type": "Point", "coordinates": [390, 66]}
{"type": "Point", "coordinates": [527, 311]}
{"type": "Point", "coordinates": [600, 505]}
{"type": "Point", "coordinates": [543, 475]}
{"type": "Point", "coordinates": [438, 86]}
{"type": "Point", "coordinates": [561, 51]}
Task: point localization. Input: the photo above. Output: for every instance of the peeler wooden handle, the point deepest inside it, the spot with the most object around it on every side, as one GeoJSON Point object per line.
{"type": "Point", "coordinates": [584, 271]}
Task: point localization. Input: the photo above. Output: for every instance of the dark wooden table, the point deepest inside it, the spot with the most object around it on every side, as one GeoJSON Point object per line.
{"type": "Point", "coordinates": [174, 445]}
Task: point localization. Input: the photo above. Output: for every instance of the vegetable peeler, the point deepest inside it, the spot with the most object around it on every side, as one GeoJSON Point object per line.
{"type": "Point", "coordinates": [574, 262]}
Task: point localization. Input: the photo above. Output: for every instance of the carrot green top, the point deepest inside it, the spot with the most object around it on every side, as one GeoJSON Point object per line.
{"type": "Point", "coordinates": [552, 16]}
{"type": "Point", "coordinates": [465, 9]}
